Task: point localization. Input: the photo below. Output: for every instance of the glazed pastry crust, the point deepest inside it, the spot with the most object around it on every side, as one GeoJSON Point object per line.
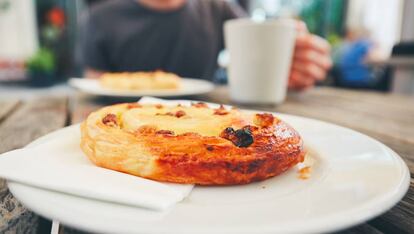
{"type": "Point", "coordinates": [191, 145]}
{"type": "Point", "coordinates": [157, 80]}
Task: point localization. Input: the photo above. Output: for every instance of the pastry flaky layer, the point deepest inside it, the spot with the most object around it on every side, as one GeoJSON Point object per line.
{"type": "Point", "coordinates": [140, 80]}
{"type": "Point", "coordinates": [190, 144]}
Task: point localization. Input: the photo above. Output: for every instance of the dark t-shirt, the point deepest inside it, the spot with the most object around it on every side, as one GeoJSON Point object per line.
{"type": "Point", "coordinates": [122, 35]}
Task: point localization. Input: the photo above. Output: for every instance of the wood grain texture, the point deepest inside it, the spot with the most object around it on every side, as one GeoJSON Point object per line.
{"type": "Point", "coordinates": [32, 120]}
{"type": "Point", "coordinates": [7, 107]}
{"type": "Point", "coordinates": [363, 228]}
{"type": "Point", "coordinates": [384, 117]}
{"type": "Point", "coordinates": [21, 126]}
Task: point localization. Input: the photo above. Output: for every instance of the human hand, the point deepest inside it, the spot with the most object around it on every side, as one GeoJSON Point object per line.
{"type": "Point", "coordinates": [311, 59]}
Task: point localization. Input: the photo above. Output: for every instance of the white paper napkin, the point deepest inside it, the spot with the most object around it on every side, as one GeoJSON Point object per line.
{"type": "Point", "coordinates": [58, 164]}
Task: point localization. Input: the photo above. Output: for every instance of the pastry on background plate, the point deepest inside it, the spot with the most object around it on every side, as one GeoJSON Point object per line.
{"type": "Point", "coordinates": [157, 80]}
{"type": "Point", "coordinates": [190, 144]}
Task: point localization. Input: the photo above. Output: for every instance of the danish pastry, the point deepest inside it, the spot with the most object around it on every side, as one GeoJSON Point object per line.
{"type": "Point", "coordinates": [140, 80]}
{"type": "Point", "coordinates": [190, 144]}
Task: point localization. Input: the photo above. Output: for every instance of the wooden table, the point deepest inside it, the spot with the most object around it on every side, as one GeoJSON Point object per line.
{"type": "Point", "coordinates": [387, 118]}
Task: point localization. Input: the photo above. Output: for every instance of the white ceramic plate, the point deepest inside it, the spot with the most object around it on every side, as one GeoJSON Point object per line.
{"type": "Point", "coordinates": [353, 179]}
{"type": "Point", "coordinates": [188, 87]}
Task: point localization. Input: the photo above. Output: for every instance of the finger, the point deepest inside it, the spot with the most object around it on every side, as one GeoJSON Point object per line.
{"type": "Point", "coordinates": [299, 80]}
{"type": "Point", "coordinates": [295, 86]}
{"type": "Point", "coordinates": [309, 70]}
{"type": "Point", "coordinates": [310, 56]}
{"type": "Point", "coordinates": [298, 87]}
{"type": "Point", "coordinates": [312, 42]}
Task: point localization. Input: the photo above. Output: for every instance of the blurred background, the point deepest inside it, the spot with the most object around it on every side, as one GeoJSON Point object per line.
{"type": "Point", "coordinates": [372, 41]}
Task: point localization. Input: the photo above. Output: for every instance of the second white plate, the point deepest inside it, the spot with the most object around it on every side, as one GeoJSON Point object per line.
{"type": "Point", "coordinates": [188, 87]}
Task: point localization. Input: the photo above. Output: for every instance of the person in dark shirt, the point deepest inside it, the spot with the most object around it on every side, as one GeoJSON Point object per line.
{"type": "Point", "coordinates": [179, 36]}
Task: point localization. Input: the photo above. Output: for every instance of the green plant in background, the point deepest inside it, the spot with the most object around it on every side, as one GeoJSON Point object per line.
{"type": "Point", "coordinates": [42, 61]}
{"type": "Point", "coordinates": [4, 5]}
{"type": "Point", "coordinates": [43, 66]}
{"type": "Point", "coordinates": [324, 18]}
{"type": "Point", "coordinates": [334, 39]}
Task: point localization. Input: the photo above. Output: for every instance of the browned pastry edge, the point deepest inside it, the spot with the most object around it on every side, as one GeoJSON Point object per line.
{"type": "Point", "coordinates": [238, 156]}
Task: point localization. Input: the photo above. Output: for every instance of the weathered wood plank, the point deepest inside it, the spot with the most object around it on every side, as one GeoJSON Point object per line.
{"type": "Point", "coordinates": [388, 115]}
{"type": "Point", "coordinates": [363, 228]}
{"type": "Point", "coordinates": [400, 219]}
{"type": "Point", "coordinates": [69, 230]}
{"type": "Point", "coordinates": [30, 121]}
{"type": "Point", "coordinates": [385, 100]}
{"type": "Point", "coordinates": [6, 108]}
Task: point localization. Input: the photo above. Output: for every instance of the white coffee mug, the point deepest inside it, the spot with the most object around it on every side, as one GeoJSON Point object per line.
{"type": "Point", "coordinates": [260, 59]}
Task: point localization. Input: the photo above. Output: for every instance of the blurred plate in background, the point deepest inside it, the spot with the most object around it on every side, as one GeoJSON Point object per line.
{"type": "Point", "coordinates": [188, 87]}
